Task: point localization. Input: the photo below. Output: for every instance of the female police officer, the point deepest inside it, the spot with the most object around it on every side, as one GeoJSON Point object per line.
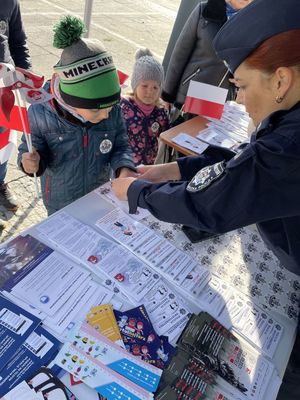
{"type": "Point", "coordinates": [221, 191]}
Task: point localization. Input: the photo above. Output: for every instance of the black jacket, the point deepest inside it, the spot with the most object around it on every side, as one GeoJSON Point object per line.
{"type": "Point", "coordinates": [11, 26]}
{"type": "Point", "coordinates": [193, 56]}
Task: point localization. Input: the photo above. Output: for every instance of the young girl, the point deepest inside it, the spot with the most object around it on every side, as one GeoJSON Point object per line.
{"type": "Point", "coordinates": [144, 117]}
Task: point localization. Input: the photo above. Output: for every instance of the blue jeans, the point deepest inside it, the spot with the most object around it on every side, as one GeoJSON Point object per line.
{"type": "Point", "coordinates": [3, 169]}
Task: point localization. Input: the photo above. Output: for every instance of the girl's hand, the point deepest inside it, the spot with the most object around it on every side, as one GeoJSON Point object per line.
{"type": "Point", "coordinates": [159, 173]}
{"type": "Point", "coordinates": [120, 187]}
{"type": "Point", "coordinates": [31, 161]}
{"type": "Point", "coordinates": [127, 172]}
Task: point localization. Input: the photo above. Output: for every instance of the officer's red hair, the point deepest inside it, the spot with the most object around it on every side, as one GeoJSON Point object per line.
{"type": "Point", "coordinates": [281, 50]}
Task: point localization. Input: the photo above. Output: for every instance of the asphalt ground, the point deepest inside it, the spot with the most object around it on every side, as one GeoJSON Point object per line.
{"type": "Point", "coordinates": [123, 26]}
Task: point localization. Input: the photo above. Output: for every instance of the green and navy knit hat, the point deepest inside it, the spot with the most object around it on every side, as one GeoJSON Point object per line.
{"type": "Point", "coordinates": [87, 75]}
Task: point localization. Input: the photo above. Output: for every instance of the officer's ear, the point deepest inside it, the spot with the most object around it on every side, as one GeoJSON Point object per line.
{"type": "Point", "coordinates": [283, 79]}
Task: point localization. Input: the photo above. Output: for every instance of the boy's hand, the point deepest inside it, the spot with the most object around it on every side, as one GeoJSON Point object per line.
{"type": "Point", "coordinates": [120, 187]}
{"type": "Point", "coordinates": [31, 161]}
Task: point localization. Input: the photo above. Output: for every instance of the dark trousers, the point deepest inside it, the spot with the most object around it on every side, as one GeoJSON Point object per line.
{"type": "Point", "coordinates": [290, 387]}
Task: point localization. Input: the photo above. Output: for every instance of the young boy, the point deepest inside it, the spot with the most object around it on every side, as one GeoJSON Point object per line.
{"type": "Point", "coordinates": [78, 136]}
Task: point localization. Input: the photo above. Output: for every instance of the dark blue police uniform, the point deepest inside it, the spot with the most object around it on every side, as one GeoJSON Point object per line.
{"type": "Point", "coordinates": [221, 191]}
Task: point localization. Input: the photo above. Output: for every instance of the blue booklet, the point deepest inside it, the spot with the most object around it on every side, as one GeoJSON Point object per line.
{"type": "Point", "coordinates": [38, 350]}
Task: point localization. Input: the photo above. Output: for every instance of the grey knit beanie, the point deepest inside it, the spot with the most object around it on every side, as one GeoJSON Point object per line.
{"type": "Point", "coordinates": [146, 68]}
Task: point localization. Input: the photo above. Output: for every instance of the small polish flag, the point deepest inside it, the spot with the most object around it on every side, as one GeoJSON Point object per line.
{"type": "Point", "coordinates": [204, 99]}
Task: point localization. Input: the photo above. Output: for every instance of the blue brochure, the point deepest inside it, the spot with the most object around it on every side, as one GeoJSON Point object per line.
{"type": "Point", "coordinates": [16, 325]}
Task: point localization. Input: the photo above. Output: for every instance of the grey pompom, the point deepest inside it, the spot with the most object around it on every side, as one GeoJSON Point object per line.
{"type": "Point", "coordinates": [142, 53]}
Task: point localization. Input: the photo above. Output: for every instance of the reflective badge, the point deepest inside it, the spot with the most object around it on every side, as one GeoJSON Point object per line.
{"type": "Point", "coordinates": [3, 27]}
{"type": "Point", "coordinates": [105, 146]}
{"type": "Point", "coordinates": [206, 176]}
{"type": "Point", "coordinates": [155, 127]}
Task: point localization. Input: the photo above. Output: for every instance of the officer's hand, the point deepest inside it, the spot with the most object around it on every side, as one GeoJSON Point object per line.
{"type": "Point", "coordinates": [120, 187]}
{"type": "Point", "coordinates": [31, 161]}
{"type": "Point", "coordinates": [159, 172]}
{"type": "Point", "coordinates": [127, 172]}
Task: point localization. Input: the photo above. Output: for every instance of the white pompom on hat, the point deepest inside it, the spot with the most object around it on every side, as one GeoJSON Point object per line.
{"type": "Point", "coordinates": [146, 68]}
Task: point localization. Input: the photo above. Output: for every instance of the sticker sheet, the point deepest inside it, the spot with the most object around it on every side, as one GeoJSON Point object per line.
{"type": "Point", "coordinates": [241, 259]}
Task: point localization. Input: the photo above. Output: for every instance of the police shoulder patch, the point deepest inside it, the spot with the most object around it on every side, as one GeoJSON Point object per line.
{"type": "Point", "coordinates": [206, 176]}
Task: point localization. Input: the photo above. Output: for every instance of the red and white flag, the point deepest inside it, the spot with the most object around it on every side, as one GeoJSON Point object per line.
{"type": "Point", "coordinates": [204, 99]}
{"type": "Point", "coordinates": [13, 111]}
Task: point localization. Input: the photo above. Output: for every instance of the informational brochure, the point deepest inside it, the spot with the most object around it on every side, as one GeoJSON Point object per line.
{"type": "Point", "coordinates": [103, 379]}
{"type": "Point", "coordinates": [106, 193]}
{"type": "Point", "coordinates": [189, 142]}
{"type": "Point", "coordinates": [102, 318]}
{"type": "Point", "coordinates": [216, 137]}
{"type": "Point", "coordinates": [16, 325]}
{"type": "Point", "coordinates": [91, 295]}
{"type": "Point", "coordinates": [229, 356]}
{"type": "Point", "coordinates": [252, 322]}
{"type": "Point", "coordinates": [133, 277]}
{"type": "Point", "coordinates": [47, 285]}
{"type": "Point", "coordinates": [38, 349]}
{"type": "Point", "coordinates": [167, 310]}
{"type": "Point", "coordinates": [77, 240]}
{"type": "Point", "coordinates": [43, 385]}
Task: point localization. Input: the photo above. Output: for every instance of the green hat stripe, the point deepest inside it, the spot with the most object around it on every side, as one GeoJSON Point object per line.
{"type": "Point", "coordinates": [103, 85]}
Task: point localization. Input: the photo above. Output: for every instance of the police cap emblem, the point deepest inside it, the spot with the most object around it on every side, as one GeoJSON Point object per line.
{"type": "Point", "coordinates": [206, 176]}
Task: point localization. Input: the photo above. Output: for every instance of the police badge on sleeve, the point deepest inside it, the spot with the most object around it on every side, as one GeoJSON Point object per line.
{"type": "Point", "coordinates": [206, 176]}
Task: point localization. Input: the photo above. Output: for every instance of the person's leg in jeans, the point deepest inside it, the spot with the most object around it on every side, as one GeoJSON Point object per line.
{"type": "Point", "coordinates": [7, 199]}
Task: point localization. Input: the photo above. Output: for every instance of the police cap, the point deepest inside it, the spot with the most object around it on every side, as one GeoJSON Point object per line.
{"type": "Point", "coordinates": [252, 25]}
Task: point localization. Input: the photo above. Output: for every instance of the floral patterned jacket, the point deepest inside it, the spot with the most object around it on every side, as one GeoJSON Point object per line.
{"type": "Point", "coordinates": [143, 130]}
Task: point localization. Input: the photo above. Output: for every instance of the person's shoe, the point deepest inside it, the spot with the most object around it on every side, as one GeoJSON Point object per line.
{"type": "Point", "coordinates": [7, 199]}
{"type": "Point", "coordinates": [2, 225]}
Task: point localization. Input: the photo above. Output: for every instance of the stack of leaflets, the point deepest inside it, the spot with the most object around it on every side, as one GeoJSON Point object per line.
{"type": "Point", "coordinates": [47, 283]}
{"type": "Point", "coordinates": [211, 362]}
{"type": "Point", "coordinates": [24, 345]}
{"type": "Point", "coordinates": [231, 130]}
{"type": "Point", "coordinates": [117, 266]}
